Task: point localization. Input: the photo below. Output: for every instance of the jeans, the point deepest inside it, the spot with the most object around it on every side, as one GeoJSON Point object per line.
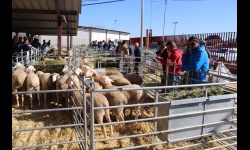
{"type": "Point", "coordinates": [174, 80]}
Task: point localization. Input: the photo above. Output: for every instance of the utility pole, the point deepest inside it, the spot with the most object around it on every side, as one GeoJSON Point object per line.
{"type": "Point", "coordinates": [174, 29]}
{"type": "Point", "coordinates": [164, 20]}
{"type": "Point", "coordinates": [115, 24]}
{"type": "Point", "coordinates": [141, 41]}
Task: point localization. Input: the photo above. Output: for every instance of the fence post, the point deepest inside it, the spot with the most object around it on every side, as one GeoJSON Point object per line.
{"type": "Point", "coordinates": [84, 116]}
{"type": "Point", "coordinates": [22, 57]}
{"type": "Point", "coordinates": [92, 121]}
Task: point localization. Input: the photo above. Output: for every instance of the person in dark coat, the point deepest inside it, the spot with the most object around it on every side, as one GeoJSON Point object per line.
{"type": "Point", "coordinates": [162, 56]}
{"type": "Point", "coordinates": [137, 53]}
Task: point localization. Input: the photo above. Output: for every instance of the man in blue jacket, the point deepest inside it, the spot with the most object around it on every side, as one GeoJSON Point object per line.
{"type": "Point", "coordinates": [195, 59]}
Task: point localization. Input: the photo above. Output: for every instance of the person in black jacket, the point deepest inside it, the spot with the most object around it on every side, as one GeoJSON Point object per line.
{"type": "Point", "coordinates": [162, 56]}
{"type": "Point", "coordinates": [137, 53]}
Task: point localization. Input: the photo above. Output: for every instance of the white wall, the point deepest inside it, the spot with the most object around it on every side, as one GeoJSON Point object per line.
{"type": "Point", "coordinates": [112, 35]}
{"type": "Point", "coordinates": [98, 35]}
{"type": "Point", "coordinates": [124, 36]}
{"type": "Point", "coordinates": [81, 38]}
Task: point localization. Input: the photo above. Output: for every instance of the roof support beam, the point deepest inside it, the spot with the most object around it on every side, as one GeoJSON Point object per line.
{"type": "Point", "coordinates": [54, 12]}
{"type": "Point", "coordinates": [35, 28]}
{"type": "Point", "coordinates": [59, 36]}
{"type": "Point", "coordinates": [57, 8]}
{"type": "Point", "coordinates": [50, 20]}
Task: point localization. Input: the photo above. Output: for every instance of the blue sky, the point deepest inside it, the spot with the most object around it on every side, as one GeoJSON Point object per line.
{"type": "Point", "coordinates": [193, 16]}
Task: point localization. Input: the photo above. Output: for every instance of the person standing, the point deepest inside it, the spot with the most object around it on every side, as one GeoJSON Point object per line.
{"type": "Point", "coordinates": [162, 56]}
{"type": "Point", "coordinates": [44, 45]}
{"type": "Point", "coordinates": [195, 59]}
{"type": "Point", "coordinates": [175, 59]}
{"type": "Point", "coordinates": [124, 51]}
{"type": "Point", "coordinates": [137, 54]}
{"type": "Point", "coordinates": [210, 58]}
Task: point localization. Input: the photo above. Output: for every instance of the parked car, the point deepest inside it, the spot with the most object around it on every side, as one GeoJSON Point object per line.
{"type": "Point", "coordinates": [226, 55]}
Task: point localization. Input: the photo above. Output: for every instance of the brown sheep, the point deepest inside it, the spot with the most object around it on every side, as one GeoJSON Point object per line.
{"type": "Point", "coordinates": [133, 96]}
{"type": "Point", "coordinates": [99, 101]}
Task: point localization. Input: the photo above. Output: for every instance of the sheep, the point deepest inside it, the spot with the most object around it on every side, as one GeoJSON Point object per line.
{"type": "Point", "coordinates": [134, 78]}
{"type": "Point", "coordinates": [78, 71]}
{"type": "Point", "coordinates": [61, 84]}
{"type": "Point", "coordinates": [119, 81]}
{"type": "Point", "coordinates": [99, 101]}
{"type": "Point", "coordinates": [45, 81]}
{"type": "Point", "coordinates": [89, 72]}
{"type": "Point", "coordinates": [117, 77]}
{"type": "Point", "coordinates": [32, 83]}
{"type": "Point", "coordinates": [47, 59]}
{"type": "Point", "coordinates": [133, 96]}
{"type": "Point", "coordinates": [18, 81]}
{"type": "Point", "coordinates": [116, 98]}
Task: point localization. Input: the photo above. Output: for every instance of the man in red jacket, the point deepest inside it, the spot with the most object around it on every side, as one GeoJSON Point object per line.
{"type": "Point", "coordinates": [162, 57]}
{"type": "Point", "coordinates": [175, 59]}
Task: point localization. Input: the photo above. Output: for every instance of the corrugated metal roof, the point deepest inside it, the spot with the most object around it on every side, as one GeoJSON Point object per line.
{"type": "Point", "coordinates": [39, 17]}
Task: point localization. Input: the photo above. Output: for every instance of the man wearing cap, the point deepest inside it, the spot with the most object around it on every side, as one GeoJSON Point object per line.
{"type": "Point", "coordinates": [195, 59]}
{"type": "Point", "coordinates": [162, 57]}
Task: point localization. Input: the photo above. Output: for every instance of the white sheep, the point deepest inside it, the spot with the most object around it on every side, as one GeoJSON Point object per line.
{"type": "Point", "coordinates": [133, 96]}
{"type": "Point", "coordinates": [61, 85]}
{"type": "Point", "coordinates": [18, 81]}
{"type": "Point", "coordinates": [46, 81]}
{"type": "Point", "coordinates": [134, 78]}
{"type": "Point", "coordinates": [33, 83]}
{"type": "Point", "coordinates": [89, 72]}
{"type": "Point", "coordinates": [99, 101]}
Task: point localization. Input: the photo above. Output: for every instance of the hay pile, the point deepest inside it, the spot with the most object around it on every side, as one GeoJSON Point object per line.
{"type": "Point", "coordinates": [51, 66]}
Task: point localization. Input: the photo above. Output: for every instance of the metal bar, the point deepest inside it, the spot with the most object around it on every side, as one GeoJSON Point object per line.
{"type": "Point", "coordinates": [92, 120]}
{"type": "Point", "coordinates": [47, 127]}
{"type": "Point", "coordinates": [165, 117]}
{"type": "Point", "coordinates": [49, 144]}
{"type": "Point", "coordinates": [222, 146]}
{"type": "Point", "coordinates": [47, 91]}
{"type": "Point", "coordinates": [158, 132]}
{"type": "Point", "coordinates": [155, 115]}
{"type": "Point", "coordinates": [45, 110]}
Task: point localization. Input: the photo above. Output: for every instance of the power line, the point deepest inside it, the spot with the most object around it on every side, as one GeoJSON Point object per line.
{"type": "Point", "coordinates": [102, 3]}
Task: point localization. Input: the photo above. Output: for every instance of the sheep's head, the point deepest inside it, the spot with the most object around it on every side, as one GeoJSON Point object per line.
{"type": "Point", "coordinates": [89, 72]}
{"type": "Point", "coordinates": [18, 65]}
{"type": "Point", "coordinates": [65, 69]}
{"type": "Point", "coordinates": [84, 68]}
{"type": "Point", "coordinates": [55, 76]}
{"type": "Point", "coordinates": [78, 71]}
{"type": "Point", "coordinates": [105, 80]}
{"type": "Point", "coordinates": [30, 69]}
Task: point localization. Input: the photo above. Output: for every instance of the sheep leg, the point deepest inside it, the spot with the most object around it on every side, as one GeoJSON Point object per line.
{"type": "Point", "coordinates": [44, 97]}
{"type": "Point", "coordinates": [131, 111]}
{"type": "Point", "coordinates": [99, 121]}
{"type": "Point", "coordinates": [22, 100]}
{"type": "Point", "coordinates": [31, 101]}
{"type": "Point", "coordinates": [142, 112]}
{"type": "Point", "coordinates": [107, 116]}
{"type": "Point", "coordinates": [17, 98]}
{"type": "Point", "coordinates": [38, 97]}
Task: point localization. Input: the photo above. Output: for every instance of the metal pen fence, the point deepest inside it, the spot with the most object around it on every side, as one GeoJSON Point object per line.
{"type": "Point", "coordinates": [85, 136]}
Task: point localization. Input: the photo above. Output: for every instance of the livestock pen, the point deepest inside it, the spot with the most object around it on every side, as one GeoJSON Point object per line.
{"type": "Point", "coordinates": [206, 122]}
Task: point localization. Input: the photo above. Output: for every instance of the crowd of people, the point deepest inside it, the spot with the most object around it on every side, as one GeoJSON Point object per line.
{"type": "Point", "coordinates": [25, 44]}
{"type": "Point", "coordinates": [195, 59]}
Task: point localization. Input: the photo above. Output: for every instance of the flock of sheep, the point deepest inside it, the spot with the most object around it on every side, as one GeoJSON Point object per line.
{"type": "Point", "coordinates": [31, 80]}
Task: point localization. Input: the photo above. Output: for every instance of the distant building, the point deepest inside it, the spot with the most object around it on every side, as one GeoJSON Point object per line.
{"type": "Point", "coordinates": [85, 35]}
